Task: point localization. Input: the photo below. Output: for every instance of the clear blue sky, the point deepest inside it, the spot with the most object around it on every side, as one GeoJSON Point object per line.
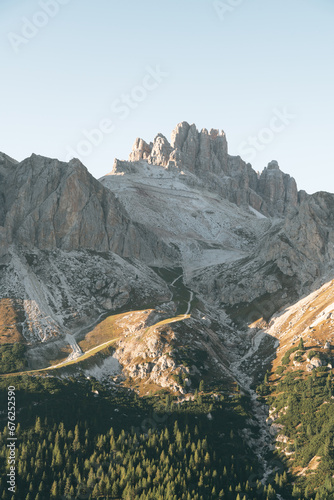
{"type": "Point", "coordinates": [222, 65]}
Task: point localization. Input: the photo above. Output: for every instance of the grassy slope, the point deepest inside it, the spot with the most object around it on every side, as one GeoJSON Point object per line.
{"type": "Point", "coordinates": [107, 333]}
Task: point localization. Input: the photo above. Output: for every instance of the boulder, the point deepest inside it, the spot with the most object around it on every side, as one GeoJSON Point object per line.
{"type": "Point", "coordinates": [316, 362]}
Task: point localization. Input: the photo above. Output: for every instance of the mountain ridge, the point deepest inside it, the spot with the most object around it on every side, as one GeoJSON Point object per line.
{"type": "Point", "coordinates": [205, 154]}
{"type": "Point", "coordinates": [75, 249]}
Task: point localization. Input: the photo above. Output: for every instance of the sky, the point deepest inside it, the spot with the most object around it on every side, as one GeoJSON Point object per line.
{"type": "Point", "coordinates": [85, 78]}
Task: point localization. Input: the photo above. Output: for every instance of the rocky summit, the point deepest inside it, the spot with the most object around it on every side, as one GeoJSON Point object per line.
{"type": "Point", "coordinates": [255, 235]}
{"type": "Point", "coordinates": [205, 155]}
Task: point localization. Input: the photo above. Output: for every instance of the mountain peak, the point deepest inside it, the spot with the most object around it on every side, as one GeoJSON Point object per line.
{"type": "Point", "coordinates": [6, 161]}
{"type": "Point", "coordinates": [203, 155]}
{"type": "Point", "coordinates": [273, 165]}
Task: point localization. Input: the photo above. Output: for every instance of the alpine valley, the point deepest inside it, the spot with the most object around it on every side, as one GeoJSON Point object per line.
{"type": "Point", "coordinates": [168, 328]}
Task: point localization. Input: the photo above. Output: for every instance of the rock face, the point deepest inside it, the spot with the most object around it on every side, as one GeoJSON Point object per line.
{"type": "Point", "coordinates": [61, 206]}
{"type": "Point", "coordinates": [63, 241]}
{"type": "Point", "coordinates": [247, 265]}
{"type": "Point", "coordinates": [49, 204]}
{"type": "Point", "coordinates": [140, 150]}
{"type": "Point", "coordinates": [205, 155]}
{"type": "Point", "coordinates": [278, 190]}
{"type": "Point", "coordinates": [161, 151]}
{"type": "Point", "coordinates": [6, 163]}
{"type": "Point", "coordinates": [53, 292]}
{"type": "Point", "coordinates": [292, 258]}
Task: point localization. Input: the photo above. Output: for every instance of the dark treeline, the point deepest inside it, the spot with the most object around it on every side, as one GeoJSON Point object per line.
{"type": "Point", "coordinates": [77, 439]}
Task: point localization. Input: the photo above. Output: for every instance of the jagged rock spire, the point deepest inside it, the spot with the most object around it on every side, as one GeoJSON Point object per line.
{"type": "Point", "coordinates": [205, 154]}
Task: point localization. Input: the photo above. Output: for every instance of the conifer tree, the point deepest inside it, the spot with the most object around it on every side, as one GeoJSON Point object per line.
{"type": "Point", "coordinates": [38, 427]}
{"type": "Point", "coordinates": [54, 490]}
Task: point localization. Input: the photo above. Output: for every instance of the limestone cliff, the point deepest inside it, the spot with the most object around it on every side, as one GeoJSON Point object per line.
{"type": "Point", "coordinates": [231, 260]}
{"type": "Point", "coordinates": [205, 154]}
{"type": "Point", "coordinates": [48, 204]}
